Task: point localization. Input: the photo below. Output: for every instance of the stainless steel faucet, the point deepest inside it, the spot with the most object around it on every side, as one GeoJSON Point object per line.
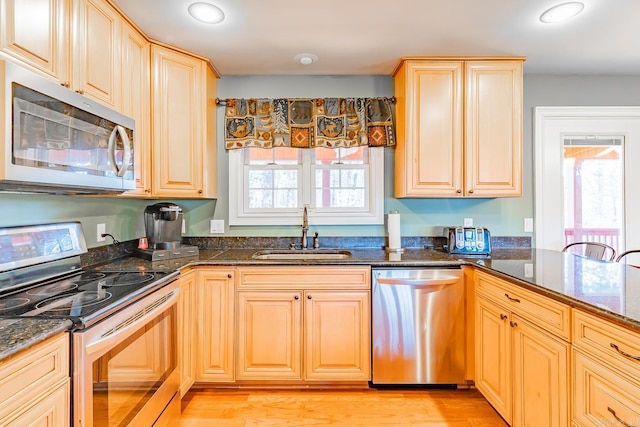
{"type": "Point", "coordinates": [305, 228]}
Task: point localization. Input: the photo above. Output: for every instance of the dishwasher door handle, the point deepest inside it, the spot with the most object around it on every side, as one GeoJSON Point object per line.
{"type": "Point", "coordinates": [440, 282]}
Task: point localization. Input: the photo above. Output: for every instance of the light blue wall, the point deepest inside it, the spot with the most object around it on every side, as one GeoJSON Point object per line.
{"type": "Point", "coordinates": [503, 216]}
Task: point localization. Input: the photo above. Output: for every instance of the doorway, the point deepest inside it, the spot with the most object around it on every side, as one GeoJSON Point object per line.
{"type": "Point", "coordinates": [585, 163]}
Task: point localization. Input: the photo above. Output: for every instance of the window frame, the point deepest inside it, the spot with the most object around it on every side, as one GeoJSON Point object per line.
{"type": "Point", "coordinates": [373, 214]}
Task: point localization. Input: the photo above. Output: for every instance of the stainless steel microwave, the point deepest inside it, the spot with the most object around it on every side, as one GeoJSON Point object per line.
{"type": "Point", "coordinates": [58, 141]}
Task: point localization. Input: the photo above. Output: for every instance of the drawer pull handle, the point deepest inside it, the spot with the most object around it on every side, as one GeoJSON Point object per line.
{"type": "Point", "coordinates": [503, 316]}
{"type": "Point", "coordinates": [615, 347]}
{"type": "Point", "coordinates": [513, 324]}
{"type": "Point", "coordinates": [511, 299]}
{"type": "Point", "coordinates": [620, 420]}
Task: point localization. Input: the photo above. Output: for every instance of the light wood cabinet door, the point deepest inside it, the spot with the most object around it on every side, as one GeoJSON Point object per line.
{"type": "Point", "coordinates": [429, 114]}
{"type": "Point", "coordinates": [53, 409]}
{"type": "Point", "coordinates": [540, 377]}
{"type": "Point", "coordinates": [215, 325]}
{"type": "Point", "coordinates": [269, 335]}
{"type": "Point", "coordinates": [136, 103]}
{"type": "Point", "coordinates": [459, 127]}
{"type": "Point", "coordinates": [34, 385]}
{"type": "Point", "coordinates": [96, 51]}
{"type": "Point", "coordinates": [493, 368]}
{"type": "Point", "coordinates": [493, 128]}
{"type": "Point", "coordinates": [37, 39]}
{"type": "Point", "coordinates": [602, 396]}
{"type": "Point", "coordinates": [183, 116]}
{"type": "Point", "coordinates": [337, 335]}
{"type": "Point", "coordinates": [187, 326]}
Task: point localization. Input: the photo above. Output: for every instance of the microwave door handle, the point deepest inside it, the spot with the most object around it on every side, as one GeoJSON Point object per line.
{"type": "Point", "coordinates": [120, 171]}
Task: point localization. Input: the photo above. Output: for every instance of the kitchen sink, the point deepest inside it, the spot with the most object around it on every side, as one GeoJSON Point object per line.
{"type": "Point", "coordinates": [301, 254]}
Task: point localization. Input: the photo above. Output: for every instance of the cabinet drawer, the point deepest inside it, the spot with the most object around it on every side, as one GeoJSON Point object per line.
{"type": "Point", "coordinates": [544, 312]}
{"type": "Point", "coordinates": [28, 375]}
{"type": "Point", "coordinates": [325, 277]}
{"type": "Point", "coordinates": [615, 345]}
{"type": "Point", "coordinates": [601, 396]}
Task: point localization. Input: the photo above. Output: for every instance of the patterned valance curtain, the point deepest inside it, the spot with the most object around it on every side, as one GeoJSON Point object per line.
{"type": "Point", "coordinates": [309, 123]}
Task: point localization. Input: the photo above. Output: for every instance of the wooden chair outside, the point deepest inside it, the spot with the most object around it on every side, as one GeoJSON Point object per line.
{"type": "Point", "coordinates": [625, 253]}
{"type": "Point", "coordinates": [594, 250]}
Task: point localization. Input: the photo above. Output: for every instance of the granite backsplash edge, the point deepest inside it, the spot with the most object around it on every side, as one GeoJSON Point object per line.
{"type": "Point", "coordinates": [107, 253]}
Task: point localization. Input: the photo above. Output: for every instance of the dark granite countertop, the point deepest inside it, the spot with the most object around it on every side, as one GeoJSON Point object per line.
{"type": "Point", "coordinates": [20, 334]}
{"type": "Point", "coordinates": [607, 289]}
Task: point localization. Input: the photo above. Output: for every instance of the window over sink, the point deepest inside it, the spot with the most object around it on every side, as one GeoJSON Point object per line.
{"type": "Point", "coordinates": [338, 186]}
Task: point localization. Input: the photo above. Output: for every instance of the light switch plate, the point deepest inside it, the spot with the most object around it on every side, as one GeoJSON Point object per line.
{"type": "Point", "coordinates": [468, 222]}
{"type": "Point", "coordinates": [184, 226]}
{"type": "Point", "coordinates": [216, 226]}
{"type": "Point", "coordinates": [528, 270]}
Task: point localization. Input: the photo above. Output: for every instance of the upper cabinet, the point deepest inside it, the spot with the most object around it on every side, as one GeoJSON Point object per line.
{"type": "Point", "coordinates": [459, 127]}
{"type": "Point", "coordinates": [38, 39]}
{"type": "Point", "coordinates": [136, 103]}
{"type": "Point", "coordinates": [96, 53]}
{"type": "Point", "coordinates": [183, 124]}
{"type": "Point", "coordinates": [76, 43]}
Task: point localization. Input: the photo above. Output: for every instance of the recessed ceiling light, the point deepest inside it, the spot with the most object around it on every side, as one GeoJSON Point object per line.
{"type": "Point", "coordinates": [206, 12]}
{"type": "Point", "coordinates": [306, 58]}
{"type": "Point", "coordinates": [561, 12]}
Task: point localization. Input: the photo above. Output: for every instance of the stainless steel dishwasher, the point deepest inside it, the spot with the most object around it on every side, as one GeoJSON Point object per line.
{"type": "Point", "coordinates": [418, 326]}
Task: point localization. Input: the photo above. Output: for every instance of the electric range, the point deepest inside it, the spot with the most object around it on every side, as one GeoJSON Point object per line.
{"type": "Point", "coordinates": [41, 276]}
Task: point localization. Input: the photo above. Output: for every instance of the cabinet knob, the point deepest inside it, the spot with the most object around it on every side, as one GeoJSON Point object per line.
{"type": "Point", "coordinates": [513, 324]}
{"type": "Point", "coordinates": [199, 191]}
{"type": "Point", "coordinates": [503, 316]}
{"type": "Point", "coordinates": [80, 91]}
{"type": "Point", "coordinates": [65, 84]}
{"type": "Point", "coordinates": [458, 191]}
{"type": "Point", "coordinates": [470, 191]}
{"type": "Point", "coordinates": [309, 297]}
{"type": "Point", "coordinates": [229, 275]}
{"type": "Point", "coordinates": [147, 191]}
{"type": "Point", "coordinates": [296, 297]}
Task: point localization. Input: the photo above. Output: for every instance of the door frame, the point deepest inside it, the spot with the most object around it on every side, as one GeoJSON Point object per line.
{"type": "Point", "coordinates": [550, 124]}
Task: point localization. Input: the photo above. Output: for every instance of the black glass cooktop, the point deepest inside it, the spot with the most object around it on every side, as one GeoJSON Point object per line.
{"type": "Point", "coordinates": [84, 297]}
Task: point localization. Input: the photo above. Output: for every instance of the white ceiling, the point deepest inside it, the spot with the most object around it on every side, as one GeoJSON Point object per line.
{"type": "Point", "coordinates": [262, 37]}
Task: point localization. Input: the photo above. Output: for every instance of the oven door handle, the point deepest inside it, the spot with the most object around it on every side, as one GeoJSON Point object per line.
{"type": "Point", "coordinates": [131, 323]}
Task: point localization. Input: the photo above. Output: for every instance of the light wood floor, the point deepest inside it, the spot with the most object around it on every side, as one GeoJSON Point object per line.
{"type": "Point", "coordinates": [253, 408]}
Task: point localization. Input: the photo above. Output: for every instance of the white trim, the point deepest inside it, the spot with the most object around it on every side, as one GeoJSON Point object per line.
{"type": "Point", "coordinates": [551, 124]}
{"type": "Point", "coordinates": [373, 215]}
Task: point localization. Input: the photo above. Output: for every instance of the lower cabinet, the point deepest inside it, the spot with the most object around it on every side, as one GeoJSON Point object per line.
{"type": "Point", "coordinates": [521, 368]}
{"type": "Point", "coordinates": [187, 330]}
{"type": "Point", "coordinates": [214, 323]}
{"type": "Point", "coordinates": [304, 324]}
{"type": "Point", "coordinates": [35, 385]}
{"type": "Point", "coordinates": [606, 372]}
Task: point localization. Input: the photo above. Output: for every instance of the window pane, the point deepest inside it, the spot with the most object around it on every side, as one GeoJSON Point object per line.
{"type": "Point", "coordinates": [285, 198]}
{"type": "Point", "coordinates": [260, 178]}
{"type": "Point", "coordinates": [285, 179]}
{"type": "Point", "coordinates": [272, 156]}
{"type": "Point", "coordinates": [593, 193]}
{"type": "Point", "coordinates": [332, 156]}
{"type": "Point", "coordinates": [326, 198]}
{"type": "Point", "coordinates": [260, 199]}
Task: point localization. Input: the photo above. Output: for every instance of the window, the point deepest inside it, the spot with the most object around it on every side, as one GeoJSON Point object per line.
{"type": "Point", "coordinates": [338, 186]}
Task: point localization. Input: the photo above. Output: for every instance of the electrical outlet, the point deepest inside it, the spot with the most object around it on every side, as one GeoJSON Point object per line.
{"type": "Point", "coordinates": [528, 270]}
{"type": "Point", "coordinates": [528, 225]}
{"type": "Point", "coordinates": [216, 226]}
{"type": "Point", "coordinates": [468, 222]}
{"type": "Point", "coordinates": [101, 229]}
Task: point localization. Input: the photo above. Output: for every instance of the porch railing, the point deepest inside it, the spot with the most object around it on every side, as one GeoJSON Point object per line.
{"type": "Point", "coordinates": [610, 236]}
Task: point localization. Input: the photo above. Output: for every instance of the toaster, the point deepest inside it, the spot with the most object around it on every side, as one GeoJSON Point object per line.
{"type": "Point", "coordinates": [468, 240]}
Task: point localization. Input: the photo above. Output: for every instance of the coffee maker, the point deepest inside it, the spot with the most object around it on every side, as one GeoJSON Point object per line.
{"type": "Point", "coordinates": [163, 229]}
